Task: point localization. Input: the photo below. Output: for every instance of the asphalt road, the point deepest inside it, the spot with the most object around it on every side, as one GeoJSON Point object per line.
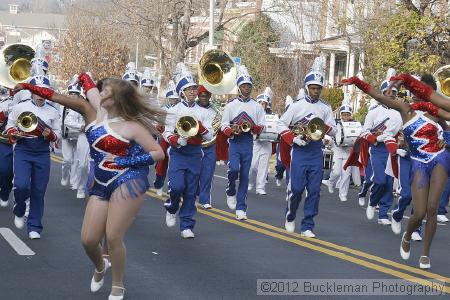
{"type": "Point", "coordinates": [225, 259]}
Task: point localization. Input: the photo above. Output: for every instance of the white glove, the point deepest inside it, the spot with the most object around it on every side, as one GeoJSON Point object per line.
{"type": "Point", "coordinates": [300, 141]}
{"type": "Point", "coordinates": [382, 137]}
{"type": "Point", "coordinates": [182, 141]}
{"type": "Point", "coordinates": [401, 152]}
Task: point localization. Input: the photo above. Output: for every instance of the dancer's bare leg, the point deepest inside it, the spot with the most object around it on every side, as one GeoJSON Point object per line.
{"type": "Point", "coordinates": [121, 214]}
{"type": "Point", "coordinates": [93, 230]}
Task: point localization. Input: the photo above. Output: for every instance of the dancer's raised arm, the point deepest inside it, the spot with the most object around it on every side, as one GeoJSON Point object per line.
{"type": "Point", "coordinates": [83, 107]}
{"type": "Point", "coordinates": [400, 106]}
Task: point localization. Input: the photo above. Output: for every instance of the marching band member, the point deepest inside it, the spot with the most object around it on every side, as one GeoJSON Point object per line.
{"type": "Point", "coordinates": [172, 99]}
{"type": "Point", "coordinates": [185, 153]}
{"type": "Point", "coordinates": [70, 132]}
{"type": "Point", "coordinates": [131, 74]}
{"type": "Point", "coordinates": [380, 128]}
{"type": "Point", "coordinates": [32, 158]}
{"type": "Point", "coordinates": [279, 166]}
{"type": "Point", "coordinates": [430, 165]}
{"type": "Point", "coordinates": [6, 154]}
{"type": "Point", "coordinates": [122, 148]}
{"type": "Point", "coordinates": [242, 117]}
{"type": "Point", "coordinates": [75, 122]}
{"type": "Point", "coordinates": [262, 151]}
{"type": "Point", "coordinates": [148, 85]}
{"type": "Point", "coordinates": [367, 183]}
{"type": "Point", "coordinates": [307, 156]}
{"type": "Point", "coordinates": [209, 153]}
{"type": "Point", "coordinates": [340, 155]}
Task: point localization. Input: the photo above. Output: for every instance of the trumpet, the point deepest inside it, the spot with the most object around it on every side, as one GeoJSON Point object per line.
{"type": "Point", "coordinates": [243, 127]}
{"type": "Point", "coordinates": [187, 126]}
{"type": "Point", "coordinates": [31, 124]}
{"type": "Point", "coordinates": [313, 131]}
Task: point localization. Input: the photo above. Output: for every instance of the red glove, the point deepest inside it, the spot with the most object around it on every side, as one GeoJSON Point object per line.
{"type": "Point", "coordinates": [371, 138]}
{"type": "Point", "coordinates": [418, 88]}
{"type": "Point", "coordinates": [362, 85]}
{"type": "Point", "coordinates": [391, 146]}
{"type": "Point", "coordinates": [228, 132]}
{"type": "Point", "coordinates": [3, 117]}
{"type": "Point", "coordinates": [11, 135]}
{"type": "Point", "coordinates": [426, 106]}
{"type": "Point", "coordinates": [202, 129]}
{"type": "Point", "coordinates": [37, 90]}
{"type": "Point", "coordinates": [173, 140]}
{"type": "Point", "coordinates": [257, 129]}
{"type": "Point", "coordinates": [160, 128]}
{"type": "Point", "coordinates": [288, 137]}
{"type": "Point", "coordinates": [86, 82]}
{"type": "Point", "coordinates": [51, 137]}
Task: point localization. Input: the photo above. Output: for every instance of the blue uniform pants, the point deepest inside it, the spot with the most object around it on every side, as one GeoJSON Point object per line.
{"type": "Point", "coordinates": [159, 181]}
{"type": "Point", "coordinates": [184, 173]}
{"type": "Point", "coordinates": [404, 166]}
{"type": "Point", "coordinates": [305, 172]}
{"type": "Point", "coordinates": [6, 171]}
{"type": "Point", "coordinates": [207, 174]}
{"type": "Point", "coordinates": [381, 190]}
{"type": "Point", "coordinates": [367, 181]}
{"type": "Point", "coordinates": [240, 152]}
{"type": "Point", "coordinates": [31, 175]}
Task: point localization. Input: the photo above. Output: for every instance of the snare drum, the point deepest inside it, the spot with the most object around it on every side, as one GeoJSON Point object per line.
{"type": "Point", "coordinates": [347, 133]}
{"type": "Point", "coordinates": [270, 133]}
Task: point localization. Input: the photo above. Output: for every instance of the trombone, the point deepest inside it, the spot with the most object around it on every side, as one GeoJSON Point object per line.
{"type": "Point", "coordinates": [313, 131]}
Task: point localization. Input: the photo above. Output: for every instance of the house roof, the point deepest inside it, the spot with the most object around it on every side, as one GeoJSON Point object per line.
{"type": "Point", "coordinates": [32, 20]}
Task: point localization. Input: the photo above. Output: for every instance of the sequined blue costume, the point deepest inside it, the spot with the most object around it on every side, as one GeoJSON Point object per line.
{"type": "Point", "coordinates": [422, 135]}
{"type": "Point", "coordinates": [103, 141]}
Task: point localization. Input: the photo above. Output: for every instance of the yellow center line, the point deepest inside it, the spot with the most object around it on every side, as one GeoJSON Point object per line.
{"type": "Point", "coordinates": [343, 248]}
{"type": "Point", "coordinates": [299, 240]}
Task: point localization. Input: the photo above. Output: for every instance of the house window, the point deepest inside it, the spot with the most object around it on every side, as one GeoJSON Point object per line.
{"type": "Point", "coordinates": [13, 9]}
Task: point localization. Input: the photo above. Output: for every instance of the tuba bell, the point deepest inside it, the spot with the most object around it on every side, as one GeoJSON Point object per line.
{"type": "Point", "coordinates": [15, 64]}
{"type": "Point", "coordinates": [442, 77]}
{"type": "Point", "coordinates": [31, 124]}
{"type": "Point", "coordinates": [187, 126]}
{"type": "Point", "coordinates": [217, 72]}
{"type": "Point", "coordinates": [314, 131]}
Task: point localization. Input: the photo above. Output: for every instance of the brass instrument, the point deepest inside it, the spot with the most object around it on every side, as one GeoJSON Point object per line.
{"type": "Point", "coordinates": [30, 124]}
{"type": "Point", "coordinates": [442, 77]}
{"type": "Point", "coordinates": [314, 130]}
{"type": "Point", "coordinates": [15, 64]}
{"type": "Point", "coordinates": [187, 126]}
{"type": "Point", "coordinates": [216, 126]}
{"type": "Point", "coordinates": [217, 72]}
{"type": "Point", "coordinates": [243, 127]}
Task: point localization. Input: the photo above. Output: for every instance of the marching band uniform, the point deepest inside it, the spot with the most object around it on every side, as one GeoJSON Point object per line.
{"type": "Point", "coordinates": [185, 156]}
{"type": "Point", "coordinates": [240, 148]}
{"type": "Point", "coordinates": [307, 158]}
{"type": "Point", "coordinates": [368, 168]}
{"type": "Point", "coordinates": [32, 161]}
{"type": "Point", "coordinates": [208, 161]}
{"type": "Point", "coordinates": [70, 131]}
{"type": "Point", "coordinates": [389, 122]}
{"type": "Point", "coordinates": [442, 211]}
{"type": "Point", "coordinates": [262, 151]}
{"type": "Point", "coordinates": [148, 84]}
{"type": "Point", "coordinates": [161, 166]}
{"type": "Point", "coordinates": [338, 174]}
{"type": "Point", "coordinates": [6, 156]}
